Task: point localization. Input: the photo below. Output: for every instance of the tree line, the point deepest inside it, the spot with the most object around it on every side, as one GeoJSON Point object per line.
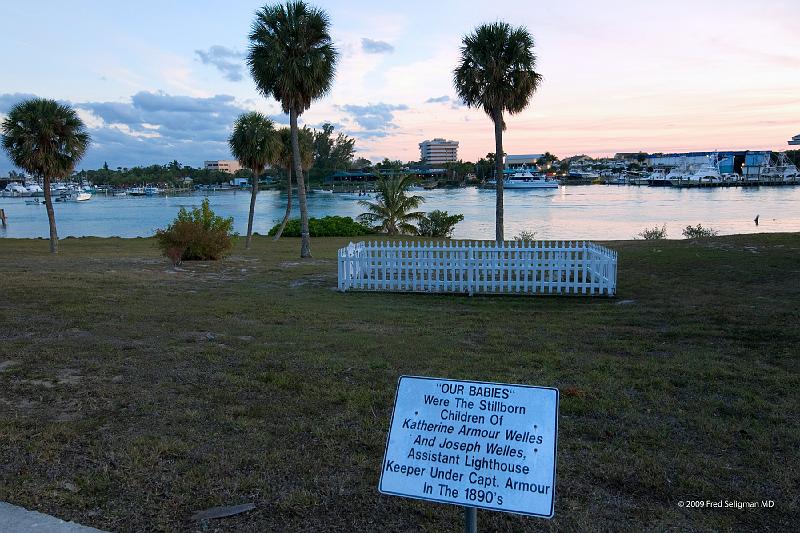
{"type": "Point", "coordinates": [292, 59]}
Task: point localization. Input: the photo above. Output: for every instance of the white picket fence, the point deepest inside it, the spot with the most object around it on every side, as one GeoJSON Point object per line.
{"type": "Point", "coordinates": [478, 267]}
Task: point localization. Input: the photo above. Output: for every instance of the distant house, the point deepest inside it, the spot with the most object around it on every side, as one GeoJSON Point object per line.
{"type": "Point", "coordinates": [225, 165]}
{"type": "Point", "coordinates": [522, 160]}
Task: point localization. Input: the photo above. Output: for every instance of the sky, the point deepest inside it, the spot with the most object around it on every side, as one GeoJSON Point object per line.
{"type": "Point", "coordinates": [156, 81]}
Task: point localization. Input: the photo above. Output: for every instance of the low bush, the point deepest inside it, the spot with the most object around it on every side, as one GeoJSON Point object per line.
{"type": "Point", "coordinates": [699, 232]}
{"type": "Point", "coordinates": [653, 234]}
{"type": "Point", "coordinates": [525, 236]}
{"type": "Point", "coordinates": [198, 234]}
{"type": "Point", "coordinates": [330, 226]}
{"type": "Point", "coordinates": [438, 224]}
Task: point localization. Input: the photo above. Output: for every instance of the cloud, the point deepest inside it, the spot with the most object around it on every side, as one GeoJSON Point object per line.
{"type": "Point", "coordinates": [371, 46]}
{"type": "Point", "coordinates": [9, 100]}
{"type": "Point", "coordinates": [374, 119]}
{"type": "Point", "coordinates": [438, 99]}
{"type": "Point", "coordinates": [153, 127]}
{"type": "Point", "coordinates": [227, 60]}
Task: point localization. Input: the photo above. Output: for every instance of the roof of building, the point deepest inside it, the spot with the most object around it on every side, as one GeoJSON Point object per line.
{"type": "Point", "coordinates": [717, 152]}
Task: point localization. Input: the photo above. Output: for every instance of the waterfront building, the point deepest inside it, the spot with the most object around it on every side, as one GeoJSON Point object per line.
{"type": "Point", "coordinates": [225, 165]}
{"type": "Point", "coordinates": [522, 160]}
{"type": "Point", "coordinates": [795, 140]}
{"type": "Point", "coordinates": [746, 163]}
{"type": "Point", "coordinates": [438, 151]}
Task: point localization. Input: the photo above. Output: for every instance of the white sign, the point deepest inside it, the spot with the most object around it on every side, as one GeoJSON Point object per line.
{"type": "Point", "coordinates": [472, 443]}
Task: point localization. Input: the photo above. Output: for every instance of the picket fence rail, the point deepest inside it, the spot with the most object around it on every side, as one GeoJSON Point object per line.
{"type": "Point", "coordinates": [479, 267]}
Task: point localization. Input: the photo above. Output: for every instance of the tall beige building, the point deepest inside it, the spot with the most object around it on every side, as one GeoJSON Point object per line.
{"type": "Point", "coordinates": [225, 165]}
{"type": "Point", "coordinates": [438, 151]}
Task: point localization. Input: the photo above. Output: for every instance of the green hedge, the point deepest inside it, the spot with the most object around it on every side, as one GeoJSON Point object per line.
{"type": "Point", "coordinates": [330, 226]}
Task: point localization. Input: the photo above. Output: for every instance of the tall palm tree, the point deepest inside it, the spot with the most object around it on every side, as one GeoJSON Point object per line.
{"type": "Point", "coordinates": [284, 159]}
{"type": "Point", "coordinates": [46, 139]}
{"type": "Point", "coordinates": [393, 213]}
{"type": "Point", "coordinates": [254, 143]}
{"type": "Point", "coordinates": [292, 59]}
{"type": "Point", "coordinates": [497, 73]}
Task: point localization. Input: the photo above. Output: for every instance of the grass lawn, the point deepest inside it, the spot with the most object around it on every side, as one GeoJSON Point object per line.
{"type": "Point", "coordinates": [133, 394]}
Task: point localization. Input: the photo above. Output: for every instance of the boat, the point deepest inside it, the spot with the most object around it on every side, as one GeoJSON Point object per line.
{"type": "Point", "coordinates": [708, 172]}
{"type": "Point", "coordinates": [582, 174]}
{"type": "Point", "coordinates": [525, 179]}
{"type": "Point", "coordinates": [660, 178]}
{"type": "Point", "coordinates": [136, 191]}
{"type": "Point", "coordinates": [34, 189]}
{"type": "Point", "coordinates": [14, 190]}
{"type": "Point", "coordinates": [35, 201]}
{"type": "Point", "coordinates": [75, 197]}
{"type": "Point", "coordinates": [151, 191]}
{"type": "Point", "coordinates": [787, 171]}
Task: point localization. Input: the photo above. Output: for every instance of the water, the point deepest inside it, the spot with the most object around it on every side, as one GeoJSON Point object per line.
{"type": "Point", "coordinates": [570, 212]}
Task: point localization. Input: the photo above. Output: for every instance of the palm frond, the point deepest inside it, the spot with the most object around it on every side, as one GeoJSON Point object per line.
{"type": "Point", "coordinates": [291, 55]}
{"type": "Point", "coordinates": [254, 141]}
{"type": "Point", "coordinates": [44, 138]}
{"type": "Point", "coordinates": [497, 69]}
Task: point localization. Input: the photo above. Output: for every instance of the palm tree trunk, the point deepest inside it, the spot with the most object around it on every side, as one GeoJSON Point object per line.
{"type": "Point", "coordinates": [288, 204]}
{"type": "Point", "coordinates": [51, 215]}
{"type": "Point", "coordinates": [252, 209]}
{"type": "Point", "coordinates": [305, 237]}
{"type": "Point", "coordinates": [497, 117]}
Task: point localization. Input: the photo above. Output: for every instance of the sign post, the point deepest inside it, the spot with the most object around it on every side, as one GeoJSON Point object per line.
{"type": "Point", "coordinates": [475, 444]}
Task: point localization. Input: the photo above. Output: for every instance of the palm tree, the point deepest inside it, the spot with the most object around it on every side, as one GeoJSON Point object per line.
{"type": "Point", "coordinates": [45, 139]}
{"type": "Point", "coordinates": [497, 73]}
{"type": "Point", "coordinates": [284, 160]}
{"type": "Point", "coordinates": [253, 142]}
{"type": "Point", "coordinates": [292, 59]}
{"type": "Point", "coordinates": [392, 212]}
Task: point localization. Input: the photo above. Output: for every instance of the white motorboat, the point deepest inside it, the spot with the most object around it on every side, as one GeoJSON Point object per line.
{"type": "Point", "coordinates": [659, 178]}
{"type": "Point", "coordinates": [787, 171]}
{"type": "Point", "coordinates": [582, 173]}
{"type": "Point", "coordinates": [151, 191]}
{"type": "Point", "coordinates": [136, 191]}
{"type": "Point", "coordinates": [525, 179]}
{"type": "Point", "coordinates": [34, 189]}
{"type": "Point", "coordinates": [75, 197]}
{"type": "Point", "coordinates": [15, 189]}
{"type": "Point", "coordinates": [708, 172]}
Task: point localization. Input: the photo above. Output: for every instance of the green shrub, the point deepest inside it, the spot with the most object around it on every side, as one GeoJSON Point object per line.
{"type": "Point", "coordinates": [699, 232]}
{"type": "Point", "coordinates": [525, 235]}
{"type": "Point", "coordinates": [438, 224]}
{"type": "Point", "coordinates": [198, 234]}
{"type": "Point", "coordinates": [653, 234]}
{"type": "Point", "coordinates": [330, 226]}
